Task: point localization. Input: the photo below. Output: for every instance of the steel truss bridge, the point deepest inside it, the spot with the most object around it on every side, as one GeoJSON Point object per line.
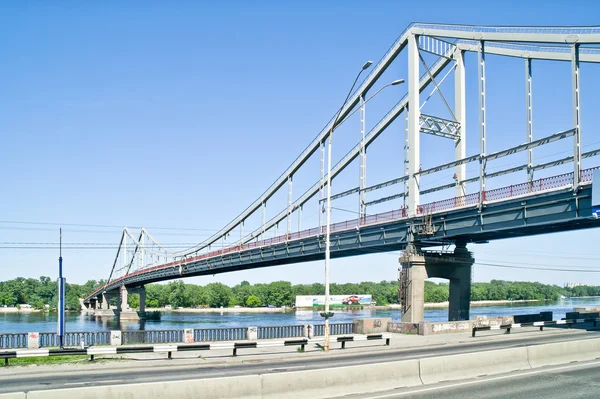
{"type": "Point", "coordinates": [473, 213]}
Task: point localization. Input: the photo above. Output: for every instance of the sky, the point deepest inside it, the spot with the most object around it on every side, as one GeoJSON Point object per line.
{"type": "Point", "coordinates": [175, 116]}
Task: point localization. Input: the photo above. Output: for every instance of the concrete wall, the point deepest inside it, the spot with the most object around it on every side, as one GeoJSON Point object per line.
{"type": "Point", "coordinates": [370, 326]}
{"type": "Point", "coordinates": [403, 328]}
{"type": "Point", "coordinates": [446, 327]}
{"type": "Point", "coordinates": [484, 321]}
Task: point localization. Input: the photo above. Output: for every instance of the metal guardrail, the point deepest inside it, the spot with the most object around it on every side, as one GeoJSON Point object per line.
{"type": "Point", "coordinates": [219, 334]}
{"type": "Point", "coordinates": [270, 332]}
{"type": "Point", "coordinates": [540, 324]}
{"type": "Point", "coordinates": [13, 340]}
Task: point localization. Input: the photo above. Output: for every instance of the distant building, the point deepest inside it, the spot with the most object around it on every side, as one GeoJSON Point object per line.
{"type": "Point", "coordinates": [573, 285]}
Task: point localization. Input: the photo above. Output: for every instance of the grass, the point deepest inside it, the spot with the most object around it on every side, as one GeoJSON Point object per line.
{"type": "Point", "coordinates": [27, 361]}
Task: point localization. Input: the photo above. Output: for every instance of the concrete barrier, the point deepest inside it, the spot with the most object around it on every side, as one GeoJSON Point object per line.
{"type": "Point", "coordinates": [371, 326]}
{"type": "Point", "coordinates": [15, 395]}
{"type": "Point", "coordinates": [341, 381]}
{"type": "Point", "coordinates": [445, 327]}
{"type": "Point", "coordinates": [470, 365]}
{"type": "Point", "coordinates": [563, 352]}
{"type": "Point", "coordinates": [247, 387]}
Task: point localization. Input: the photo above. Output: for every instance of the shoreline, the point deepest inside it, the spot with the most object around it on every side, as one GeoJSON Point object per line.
{"type": "Point", "coordinates": [428, 305]}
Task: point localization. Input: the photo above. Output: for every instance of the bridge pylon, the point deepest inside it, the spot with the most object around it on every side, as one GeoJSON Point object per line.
{"type": "Point", "coordinates": [418, 265]}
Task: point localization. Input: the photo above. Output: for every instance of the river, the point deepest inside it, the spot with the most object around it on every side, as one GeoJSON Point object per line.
{"type": "Point", "coordinates": [46, 322]}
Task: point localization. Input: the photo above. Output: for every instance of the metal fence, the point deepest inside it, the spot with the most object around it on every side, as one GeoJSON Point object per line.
{"type": "Point", "coordinates": [13, 340]}
{"type": "Point", "coordinates": [46, 340]}
{"type": "Point", "coordinates": [152, 337]}
{"type": "Point", "coordinates": [334, 329]}
{"type": "Point", "coordinates": [74, 338]}
{"type": "Point", "coordinates": [271, 332]}
{"type": "Point", "coordinates": [219, 334]}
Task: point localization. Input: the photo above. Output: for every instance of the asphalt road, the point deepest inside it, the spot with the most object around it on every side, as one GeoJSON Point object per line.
{"type": "Point", "coordinates": [578, 380]}
{"type": "Point", "coordinates": [37, 378]}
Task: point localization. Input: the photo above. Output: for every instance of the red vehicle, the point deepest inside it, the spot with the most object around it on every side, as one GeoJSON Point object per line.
{"type": "Point", "coordinates": [351, 300]}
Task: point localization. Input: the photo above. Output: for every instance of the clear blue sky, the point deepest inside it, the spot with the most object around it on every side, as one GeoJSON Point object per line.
{"type": "Point", "coordinates": [179, 114]}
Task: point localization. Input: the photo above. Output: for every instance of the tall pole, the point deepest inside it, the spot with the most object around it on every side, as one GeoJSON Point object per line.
{"type": "Point", "coordinates": [327, 242]}
{"type": "Point", "coordinates": [327, 314]}
{"type": "Point", "coordinates": [362, 195]}
{"type": "Point", "coordinates": [61, 298]}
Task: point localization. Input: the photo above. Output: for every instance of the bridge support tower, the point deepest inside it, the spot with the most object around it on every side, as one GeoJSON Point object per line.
{"type": "Point", "coordinates": [418, 266]}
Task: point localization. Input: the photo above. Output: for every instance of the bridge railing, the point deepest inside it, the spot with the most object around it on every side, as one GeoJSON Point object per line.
{"type": "Point", "coordinates": [152, 337]}
{"type": "Point", "coordinates": [334, 329]}
{"type": "Point", "coordinates": [219, 334]}
{"type": "Point", "coordinates": [13, 340]}
{"type": "Point", "coordinates": [89, 338]}
{"type": "Point", "coordinates": [270, 332]}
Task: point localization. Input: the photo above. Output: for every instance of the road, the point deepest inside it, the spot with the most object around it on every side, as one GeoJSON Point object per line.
{"type": "Point", "coordinates": [579, 380]}
{"type": "Point", "coordinates": [53, 377]}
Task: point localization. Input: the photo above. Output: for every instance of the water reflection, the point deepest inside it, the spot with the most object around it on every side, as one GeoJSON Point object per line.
{"type": "Point", "coordinates": [46, 322]}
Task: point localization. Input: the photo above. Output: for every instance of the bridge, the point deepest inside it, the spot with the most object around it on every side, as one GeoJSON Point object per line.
{"type": "Point", "coordinates": [536, 198]}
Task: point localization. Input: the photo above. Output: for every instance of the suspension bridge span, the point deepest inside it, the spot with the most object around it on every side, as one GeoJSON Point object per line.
{"type": "Point", "coordinates": [533, 197]}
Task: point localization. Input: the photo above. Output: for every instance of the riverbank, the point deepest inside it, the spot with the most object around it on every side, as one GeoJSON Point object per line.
{"type": "Point", "coordinates": [438, 305]}
{"type": "Point", "coordinates": [428, 305]}
{"type": "Point", "coordinates": [17, 310]}
{"type": "Point", "coordinates": [222, 310]}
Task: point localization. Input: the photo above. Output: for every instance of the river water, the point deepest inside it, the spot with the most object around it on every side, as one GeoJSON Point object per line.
{"type": "Point", "coordinates": [46, 322]}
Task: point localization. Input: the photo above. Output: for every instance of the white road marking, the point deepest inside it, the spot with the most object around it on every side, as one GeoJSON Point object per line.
{"type": "Point", "coordinates": [483, 380]}
{"type": "Point", "coordinates": [75, 383]}
{"type": "Point", "coordinates": [107, 381]}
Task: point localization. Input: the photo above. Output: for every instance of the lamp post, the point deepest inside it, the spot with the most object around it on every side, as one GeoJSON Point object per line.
{"type": "Point", "coordinates": [328, 314]}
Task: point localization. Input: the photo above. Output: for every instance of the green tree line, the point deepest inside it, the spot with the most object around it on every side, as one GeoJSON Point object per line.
{"type": "Point", "coordinates": [43, 291]}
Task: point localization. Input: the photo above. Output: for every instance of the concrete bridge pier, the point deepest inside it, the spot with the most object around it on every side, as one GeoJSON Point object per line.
{"type": "Point", "coordinates": [418, 266]}
{"type": "Point", "coordinates": [125, 311]}
{"type": "Point", "coordinates": [103, 308]}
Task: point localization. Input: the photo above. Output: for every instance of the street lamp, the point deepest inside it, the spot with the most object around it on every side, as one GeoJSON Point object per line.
{"type": "Point", "coordinates": [327, 314]}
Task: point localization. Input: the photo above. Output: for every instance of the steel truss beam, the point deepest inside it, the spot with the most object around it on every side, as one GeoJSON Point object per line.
{"type": "Point", "coordinates": [533, 52]}
{"type": "Point", "coordinates": [370, 188]}
{"type": "Point", "coordinates": [436, 46]}
{"type": "Point", "coordinates": [441, 127]}
{"type": "Point", "coordinates": [558, 35]}
{"type": "Point", "coordinates": [500, 154]}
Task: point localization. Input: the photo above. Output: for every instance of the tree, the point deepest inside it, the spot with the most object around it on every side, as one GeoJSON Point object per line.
{"type": "Point", "coordinates": [253, 301]}
{"type": "Point", "coordinates": [218, 295]}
